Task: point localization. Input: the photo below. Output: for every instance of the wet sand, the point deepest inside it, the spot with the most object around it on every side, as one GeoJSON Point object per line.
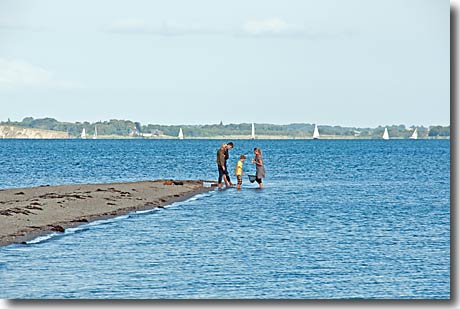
{"type": "Point", "coordinates": [26, 213]}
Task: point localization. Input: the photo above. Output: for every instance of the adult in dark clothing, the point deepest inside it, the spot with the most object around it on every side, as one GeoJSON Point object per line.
{"type": "Point", "coordinates": [229, 146]}
{"type": "Point", "coordinates": [221, 166]}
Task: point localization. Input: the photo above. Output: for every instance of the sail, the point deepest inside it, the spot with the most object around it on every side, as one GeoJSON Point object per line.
{"type": "Point", "coordinates": [414, 135]}
{"type": "Point", "coordinates": [385, 134]}
{"type": "Point", "coordinates": [83, 133]}
{"type": "Point", "coordinates": [316, 132]}
{"type": "Point", "coordinates": [181, 134]}
{"type": "Point", "coordinates": [253, 132]}
{"type": "Point", "coordinates": [95, 132]}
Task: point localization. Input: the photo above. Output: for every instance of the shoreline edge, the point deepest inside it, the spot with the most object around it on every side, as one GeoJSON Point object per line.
{"type": "Point", "coordinates": [27, 213]}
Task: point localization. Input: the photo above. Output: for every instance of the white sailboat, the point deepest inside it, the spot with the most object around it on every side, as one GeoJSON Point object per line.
{"type": "Point", "coordinates": [385, 134]}
{"type": "Point", "coordinates": [95, 132]}
{"type": "Point", "coordinates": [83, 133]}
{"type": "Point", "coordinates": [181, 134]}
{"type": "Point", "coordinates": [414, 135]}
{"type": "Point", "coordinates": [316, 132]}
{"type": "Point", "coordinates": [253, 132]}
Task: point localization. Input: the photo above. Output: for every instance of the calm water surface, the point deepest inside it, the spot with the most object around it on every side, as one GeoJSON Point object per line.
{"type": "Point", "coordinates": [337, 219]}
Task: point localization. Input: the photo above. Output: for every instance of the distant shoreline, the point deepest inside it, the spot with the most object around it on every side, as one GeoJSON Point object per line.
{"type": "Point", "coordinates": [120, 129]}
{"type": "Point", "coordinates": [232, 137]}
{"type": "Point", "coordinates": [26, 213]}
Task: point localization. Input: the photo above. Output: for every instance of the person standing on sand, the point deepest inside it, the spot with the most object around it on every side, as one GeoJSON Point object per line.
{"type": "Point", "coordinates": [260, 169]}
{"type": "Point", "coordinates": [229, 146]}
{"type": "Point", "coordinates": [221, 166]}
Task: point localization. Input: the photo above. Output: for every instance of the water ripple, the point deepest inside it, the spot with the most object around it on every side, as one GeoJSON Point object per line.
{"type": "Point", "coordinates": [337, 219]}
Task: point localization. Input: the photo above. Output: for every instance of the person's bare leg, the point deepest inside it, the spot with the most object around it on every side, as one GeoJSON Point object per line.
{"type": "Point", "coordinates": [261, 185]}
{"type": "Point", "coordinates": [227, 185]}
{"type": "Point", "coordinates": [228, 180]}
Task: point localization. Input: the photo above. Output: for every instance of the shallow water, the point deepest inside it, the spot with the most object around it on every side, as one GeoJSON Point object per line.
{"type": "Point", "coordinates": [337, 219]}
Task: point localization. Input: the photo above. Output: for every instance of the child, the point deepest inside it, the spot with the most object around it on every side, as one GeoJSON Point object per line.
{"type": "Point", "coordinates": [260, 169]}
{"type": "Point", "coordinates": [239, 171]}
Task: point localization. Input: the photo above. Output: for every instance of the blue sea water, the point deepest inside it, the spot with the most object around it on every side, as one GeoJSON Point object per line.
{"type": "Point", "coordinates": [336, 219]}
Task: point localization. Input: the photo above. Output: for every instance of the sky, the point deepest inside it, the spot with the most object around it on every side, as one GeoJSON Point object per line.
{"type": "Point", "coordinates": [358, 63]}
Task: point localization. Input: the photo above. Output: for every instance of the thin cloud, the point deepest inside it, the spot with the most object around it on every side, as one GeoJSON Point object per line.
{"type": "Point", "coordinates": [12, 25]}
{"type": "Point", "coordinates": [266, 26]}
{"type": "Point", "coordinates": [165, 28]}
{"type": "Point", "coordinates": [274, 27]}
{"type": "Point", "coordinates": [18, 73]}
{"type": "Point", "coordinates": [129, 26]}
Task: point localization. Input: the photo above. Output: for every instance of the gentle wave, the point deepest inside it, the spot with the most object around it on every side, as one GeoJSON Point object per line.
{"type": "Point", "coordinates": [96, 223]}
{"type": "Point", "coordinates": [42, 238]}
{"type": "Point", "coordinates": [336, 219]}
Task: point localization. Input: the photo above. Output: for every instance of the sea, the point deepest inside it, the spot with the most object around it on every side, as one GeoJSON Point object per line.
{"type": "Point", "coordinates": [337, 219]}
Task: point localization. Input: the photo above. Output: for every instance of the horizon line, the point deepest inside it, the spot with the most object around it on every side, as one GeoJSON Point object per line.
{"type": "Point", "coordinates": [228, 123]}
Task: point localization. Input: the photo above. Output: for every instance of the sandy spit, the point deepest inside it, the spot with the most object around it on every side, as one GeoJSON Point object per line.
{"type": "Point", "coordinates": [26, 213]}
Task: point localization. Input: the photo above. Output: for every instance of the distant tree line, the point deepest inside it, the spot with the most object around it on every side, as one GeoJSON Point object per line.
{"type": "Point", "coordinates": [439, 131]}
{"type": "Point", "coordinates": [127, 128]}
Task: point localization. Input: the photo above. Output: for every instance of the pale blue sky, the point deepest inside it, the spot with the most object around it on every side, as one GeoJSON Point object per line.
{"type": "Point", "coordinates": [343, 62]}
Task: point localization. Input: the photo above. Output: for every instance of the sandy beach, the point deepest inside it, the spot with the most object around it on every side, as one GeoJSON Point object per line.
{"type": "Point", "coordinates": [26, 213]}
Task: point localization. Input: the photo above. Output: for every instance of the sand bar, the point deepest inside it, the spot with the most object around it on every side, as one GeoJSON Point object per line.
{"type": "Point", "coordinates": [26, 213]}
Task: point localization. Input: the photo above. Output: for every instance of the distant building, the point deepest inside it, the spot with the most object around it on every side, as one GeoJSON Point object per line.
{"type": "Point", "coordinates": [133, 132]}
{"type": "Point", "coordinates": [154, 132]}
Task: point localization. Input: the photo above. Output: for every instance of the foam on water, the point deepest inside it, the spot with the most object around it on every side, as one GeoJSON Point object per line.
{"type": "Point", "coordinates": [42, 238]}
{"type": "Point", "coordinates": [94, 224]}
